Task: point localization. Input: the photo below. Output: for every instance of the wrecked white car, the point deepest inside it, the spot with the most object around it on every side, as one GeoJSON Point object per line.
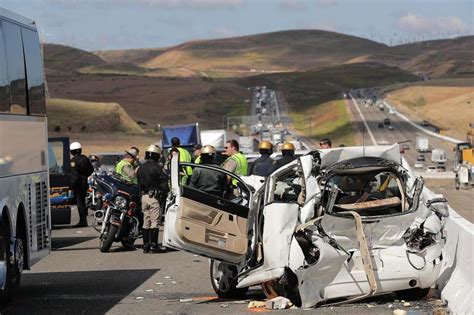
{"type": "Point", "coordinates": [343, 223]}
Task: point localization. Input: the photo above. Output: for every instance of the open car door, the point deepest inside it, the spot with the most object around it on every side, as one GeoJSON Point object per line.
{"type": "Point", "coordinates": [206, 224]}
{"type": "Point", "coordinates": [60, 194]}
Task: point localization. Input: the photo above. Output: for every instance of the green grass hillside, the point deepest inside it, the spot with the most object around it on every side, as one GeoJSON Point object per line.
{"type": "Point", "coordinates": [68, 116]}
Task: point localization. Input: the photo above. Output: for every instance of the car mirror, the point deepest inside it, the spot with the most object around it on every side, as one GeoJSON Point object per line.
{"type": "Point", "coordinates": [417, 189]}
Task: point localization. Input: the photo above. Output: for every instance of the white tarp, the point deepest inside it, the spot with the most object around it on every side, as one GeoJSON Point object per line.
{"type": "Point", "coordinates": [216, 137]}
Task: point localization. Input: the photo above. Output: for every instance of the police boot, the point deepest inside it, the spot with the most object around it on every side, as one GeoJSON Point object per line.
{"type": "Point", "coordinates": [146, 241]}
{"type": "Point", "coordinates": [155, 248]}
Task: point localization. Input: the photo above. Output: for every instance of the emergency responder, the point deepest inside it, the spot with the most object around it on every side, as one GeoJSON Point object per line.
{"type": "Point", "coordinates": [197, 153]}
{"type": "Point", "coordinates": [153, 183]}
{"type": "Point", "coordinates": [325, 143]}
{"type": "Point", "coordinates": [184, 156]}
{"type": "Point", "coordinates": [236, 162]}
{"type": "Point", "coordinates": [209, 181]}
{"type": "Point", "coordinates": [125, 168]}
{"type": "Point", "coordinates": [264, 165]}
{"type": "Point", "coordinates": [136, 163]}
{"type": "Point", "coordinates": [81, 169]}
{"type": "Point", "coordinates": [288, 155]}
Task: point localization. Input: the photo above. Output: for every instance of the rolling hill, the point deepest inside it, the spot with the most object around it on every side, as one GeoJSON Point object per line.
{"type": "Point", "coordinates": [59, 59]}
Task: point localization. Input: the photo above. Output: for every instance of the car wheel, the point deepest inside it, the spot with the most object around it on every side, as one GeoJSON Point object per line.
{"type": "Point", "coordinates": [223, 280]}
{"type": "Point", "coordinates": [11, 266]}
{"type": "Point", "coordinates": [413, 294]}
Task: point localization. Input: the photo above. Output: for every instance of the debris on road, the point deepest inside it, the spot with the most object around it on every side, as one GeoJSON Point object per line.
{"type": "Point", "coordinates": [159, 283]}
{"type": "Point", "coordinates": [256, 304]}
{"type": "Point", "coordinates": [278, 303]}
{"type": "Point", "coordinates": [185, 300]}
{"type": "Point", "coordinates": [139, 298]}
{"type": "Point", "coordinates": [166, 277]}
{"type": "Point", "coordinates": [174, 282]}
{"type": "Point", "coordinates": [224, 305]}
{"type": "Point", "coordinates": [406, 304]}
{"type": "Point", "coordinates": [150, 290]}
{"type": "Point", "coordinates": [399, 312]}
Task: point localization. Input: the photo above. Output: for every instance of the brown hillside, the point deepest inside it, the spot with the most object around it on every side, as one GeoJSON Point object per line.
{"type": "Point", "coordinates": [285, 50]}
{"type": "Point", "coordinates": [135, 56]}
{"type": "Point", "coordinates": [65, 59]}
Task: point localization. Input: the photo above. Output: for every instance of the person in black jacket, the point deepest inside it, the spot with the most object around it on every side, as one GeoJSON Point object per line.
{"type": "Point", "coordinates": [81, 169]}
{"type": "Point", "coordinates": [288, 155]}
{"type": "Point", "coordinates": [209, 181]}
{"type": "Point", "coordinates": [264, 165]}
{"type": "Point", "coordinates": [153, 184]}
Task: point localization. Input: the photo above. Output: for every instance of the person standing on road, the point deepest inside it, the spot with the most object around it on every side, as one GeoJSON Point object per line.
{"type": "Point", "coordinates": [236, 162]}
{"type": "Point", "coordinates": [288, 155]}
{"type": "Point", "coordinates": [325, 143]}
{"type": "Point", "coordinates": [136, 162]}
{"type": "Point", "coordinates": [197, 153]}
{"type": "Point", "coordinates": [209, 181]}
{"type": "Point", "coordinates": [81, 169]}
{"type": "Point", "coordinates": [153, 183]}
{"type": "Point", "coordinates": [264, 165]}
{"type": "Point", "coordinates": [184, 156]}
{"type": "Point", "coordinates": [125, 168]}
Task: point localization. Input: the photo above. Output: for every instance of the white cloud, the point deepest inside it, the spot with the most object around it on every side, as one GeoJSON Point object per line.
{"type": "Point", "coordinates": [419, 24]}
{"type": "Point", "coordinates": [292, 5]}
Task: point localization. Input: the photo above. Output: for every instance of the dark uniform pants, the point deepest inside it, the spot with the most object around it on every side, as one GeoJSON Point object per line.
{"type": "Point", "coordinates": [81, 193]}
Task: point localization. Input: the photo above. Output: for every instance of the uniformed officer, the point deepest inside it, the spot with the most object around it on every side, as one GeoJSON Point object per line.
{"type": "Point", "coordinates": [209, 181]}
{"type": "Point", "coordinates": [197, 153]}
{"type": "Point", "coordinates": [236, 162]}
{"type": "Point", "coordinates": [288, 155]}
{"type": "Point", "coordinates": [153, 183]}
{"type": "Point", "coordinates": [125, 168]}
{"type": "Point", "coordinates": [264, 165]}
{"type": "Point", "coordinates": [81, 169]}
{"type": "Point", "coordinates": [184, 156]}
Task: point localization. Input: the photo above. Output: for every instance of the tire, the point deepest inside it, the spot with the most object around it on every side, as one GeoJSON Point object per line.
{"type": "Point", "coordinates": [413, 294]}
{"type": "Point", "coordinates": [13, 276]}
{"type": "Point", "coordinates": [222, 279]}
{"type": "Point", "coordinates": [107, 243]}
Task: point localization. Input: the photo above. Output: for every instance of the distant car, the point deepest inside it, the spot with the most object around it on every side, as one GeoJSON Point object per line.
{"type": "Point", "coordinates": [441, 168]}
{"type": "Point", "coordinates": [391, 111]}
{"type": "Point", "coordinates": [390, 127]}
{"type": "Point", "coordinates": [425, 123]}
{"type": "Point", "coordinates": [418, 165]}
{"type": "Point", "coordinates": [386, 121]}
{"type": "Point", "coordinates": [420, 158]}
{"type": "Point", "coordinates": [405, 147]}
{"type": "Point", "coordinates": [380, 125]}
{"type": "Point", "coordinates": [431, 168]}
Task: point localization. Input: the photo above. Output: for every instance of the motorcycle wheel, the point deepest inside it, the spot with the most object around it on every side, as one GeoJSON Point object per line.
{"type": "Point", "coordinates": [222, 279]}
{"type": "Point", "coordinates": [107, 243]}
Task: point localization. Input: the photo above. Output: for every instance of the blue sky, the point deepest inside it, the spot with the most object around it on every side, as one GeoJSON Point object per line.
{"type": "Point", "coordinates": [119, 24]}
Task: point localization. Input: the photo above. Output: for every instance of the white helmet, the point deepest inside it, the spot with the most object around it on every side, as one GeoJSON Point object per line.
{"type": "Point", "coordinates": [75, 146]}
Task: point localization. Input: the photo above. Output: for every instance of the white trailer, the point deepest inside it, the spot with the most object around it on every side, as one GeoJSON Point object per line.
{"type": "Point", "coordinates": [216, 137]}
{"type": "Point", "coordinates": [438, 156]}
{"type": "Point", "coordinates": [422, 144]}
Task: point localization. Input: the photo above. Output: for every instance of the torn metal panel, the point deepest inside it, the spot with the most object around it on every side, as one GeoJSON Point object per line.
{"type": "Point", "coordinates": [336, 155]}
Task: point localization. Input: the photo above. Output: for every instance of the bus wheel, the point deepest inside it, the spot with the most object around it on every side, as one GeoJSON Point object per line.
{"type": "Point", "coordinates": [9, 268]}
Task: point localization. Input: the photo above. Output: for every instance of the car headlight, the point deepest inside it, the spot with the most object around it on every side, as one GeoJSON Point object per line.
{"type": "Point", "coordinates": [120, 202]}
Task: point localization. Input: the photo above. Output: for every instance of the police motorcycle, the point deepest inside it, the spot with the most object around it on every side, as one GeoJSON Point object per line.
{"type": "Point", "coordinates": [94, 195]}
{"type": "Point", "coordinates": [119, 218]}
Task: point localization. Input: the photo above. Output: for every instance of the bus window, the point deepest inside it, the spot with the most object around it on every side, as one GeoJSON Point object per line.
{"type": "Point", "coordinates": [4, 83]}
{"type": "Point", "coordinates": [34, 74]}
{"type": "Point", "coordinates": [15, 67]}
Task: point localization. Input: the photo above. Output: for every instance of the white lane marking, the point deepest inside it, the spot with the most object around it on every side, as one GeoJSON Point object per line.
{"type": "Point", "coordinates": [365, 122]}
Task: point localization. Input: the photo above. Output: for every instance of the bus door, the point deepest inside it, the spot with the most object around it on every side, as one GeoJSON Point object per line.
{"type": "Point", "coordinates": [60, 194]}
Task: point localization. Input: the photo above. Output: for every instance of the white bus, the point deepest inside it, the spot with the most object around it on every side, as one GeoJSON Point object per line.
{"type": "Point", "coordinates": [24, 184]}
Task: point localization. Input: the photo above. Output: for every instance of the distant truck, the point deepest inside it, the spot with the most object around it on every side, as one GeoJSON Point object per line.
{"type": "Point", "coordinates": [438, 156]}
{"type": "Point", "coordinates": [217, 138]}
{"type": "Point", "coordinates": [188, 135]}
{"type": "Point", "coordinates": [247, 144]}
{"type": "Point", "coordinates": [422, 144]}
